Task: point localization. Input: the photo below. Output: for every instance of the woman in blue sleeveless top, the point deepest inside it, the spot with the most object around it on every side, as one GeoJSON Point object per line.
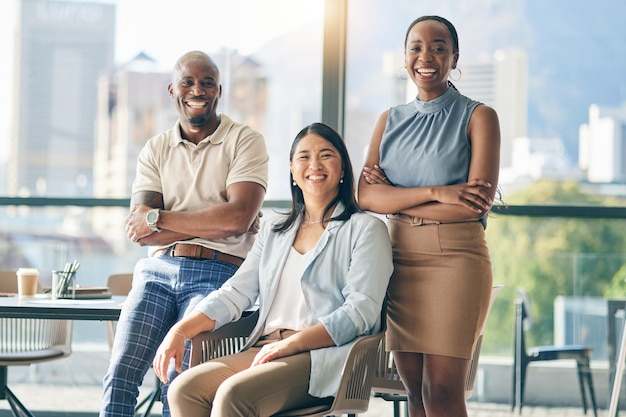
{"type": "Point", "coordinates": [432, 168]}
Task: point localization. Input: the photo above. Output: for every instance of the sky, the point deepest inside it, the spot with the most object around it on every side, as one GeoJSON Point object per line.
{"type": "Point", "coordinates": [244, 25]}
{"type": "Point", "coordinates": [168, 28]}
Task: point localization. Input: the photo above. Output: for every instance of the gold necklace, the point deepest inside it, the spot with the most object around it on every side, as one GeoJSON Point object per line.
{"type": "Point", "coordinates": [316, 222]}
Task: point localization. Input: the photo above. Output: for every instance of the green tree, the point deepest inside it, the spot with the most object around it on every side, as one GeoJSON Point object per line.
{"type": "Point", "coordinates": [617, 286]}
{"type": "Point", "coordinates": [549, 257]}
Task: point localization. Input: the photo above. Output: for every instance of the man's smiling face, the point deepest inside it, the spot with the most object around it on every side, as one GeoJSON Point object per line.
{"type": "Point", "coordinates": [195, 88]}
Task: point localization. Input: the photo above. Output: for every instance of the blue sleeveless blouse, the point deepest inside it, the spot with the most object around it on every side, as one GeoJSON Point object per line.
{"type": "Point", "coordinates": [425, 143]}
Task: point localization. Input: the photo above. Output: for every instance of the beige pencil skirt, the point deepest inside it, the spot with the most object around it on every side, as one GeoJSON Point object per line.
{"type": "Point", "coordinates": [440, 289]}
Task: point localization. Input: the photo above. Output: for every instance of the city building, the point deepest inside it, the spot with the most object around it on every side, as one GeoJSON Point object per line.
{"type": "Point", "coordinates": [539, 158]}
{"type": "Point", "coordinates": [61, 47]}
{"type": "Point", "coordinates": [602, 145]}
{"type": "Point", "coordinates": [500, 81]}
{"type": "Point", "coordinates": [133, 105]}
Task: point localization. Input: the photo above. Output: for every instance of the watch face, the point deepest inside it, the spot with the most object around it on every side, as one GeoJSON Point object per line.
{"type": "Point", "coordinates": [152, 217]}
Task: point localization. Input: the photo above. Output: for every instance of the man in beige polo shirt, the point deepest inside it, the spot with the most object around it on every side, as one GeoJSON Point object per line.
{"type": "Point", "coordinates": [195, 202]}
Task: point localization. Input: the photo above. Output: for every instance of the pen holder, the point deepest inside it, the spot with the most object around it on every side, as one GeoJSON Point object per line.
{"type": "Point", "coordinates": [63, 284]}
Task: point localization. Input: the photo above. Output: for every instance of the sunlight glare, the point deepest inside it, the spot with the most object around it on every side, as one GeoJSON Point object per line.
{"type": "Point", "coordinates": [165, 30]}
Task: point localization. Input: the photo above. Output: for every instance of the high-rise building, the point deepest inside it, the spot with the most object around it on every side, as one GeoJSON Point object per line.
{"type": "Point", "coordinates": [501, 81]}
{"type": "Point", "coordinates": [61, 48]}
{"type": "Point", "coordinates": [602, 145]}
{"type": "Point", "coordinates": [540, 158]}
{"type": "Point", "coordinates": [133, 105]}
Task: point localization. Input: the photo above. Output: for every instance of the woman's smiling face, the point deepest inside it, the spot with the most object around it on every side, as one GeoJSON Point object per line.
{"type": "Point", "coordinates": [429, 57]}
{"type": "Point", "coordinates": [316, 167]}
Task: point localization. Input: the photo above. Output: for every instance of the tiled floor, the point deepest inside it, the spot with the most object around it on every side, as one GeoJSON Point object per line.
{"type": "Point", "coordinates": [71, 388]}
{"type": "Point", "coordinates": [55, 401]}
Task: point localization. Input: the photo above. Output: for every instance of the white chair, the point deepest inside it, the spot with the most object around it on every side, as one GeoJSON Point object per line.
{"type": "Point", "coordinates": [353, 395]}
{"type": "Point", "coordinates": [388, 385]}
{"type": "Point", "coordinates": [118, 284]}
{"type": "Point", "coordinates": [226, 340]}
{"type": "Point", "coordinates": [26, 342]}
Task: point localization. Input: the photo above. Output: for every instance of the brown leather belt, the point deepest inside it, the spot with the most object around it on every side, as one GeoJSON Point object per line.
{"type": "Point", "coordinates": [420, 221]}
{"type": "Point", "coordinates": [413, 221]}
{"type": "Point", "coordinates": [188, 250]}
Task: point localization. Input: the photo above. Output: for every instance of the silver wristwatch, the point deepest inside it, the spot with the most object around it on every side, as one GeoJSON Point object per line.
{"type": "Point", "coordinates": [152, 218]}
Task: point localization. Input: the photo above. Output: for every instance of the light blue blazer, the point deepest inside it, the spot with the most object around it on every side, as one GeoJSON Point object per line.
{"type": "Point", "coordinates": [344, 287]}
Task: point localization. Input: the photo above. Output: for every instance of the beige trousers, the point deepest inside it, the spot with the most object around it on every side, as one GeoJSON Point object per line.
{"type": "Point", "coordinates": [228, 387]}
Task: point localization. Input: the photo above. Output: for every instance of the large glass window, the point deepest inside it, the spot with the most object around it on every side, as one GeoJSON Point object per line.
{"type": "Point", "coordinates": [89, 87]}
{"type": "Point", "coordinates": [90, 83]}
{"type": "Point", "coordinates": [554, 73]}
{"type": "Point", "coordinates": [537, 63]}
{"type": "Point", "coordinates": [85, 87]}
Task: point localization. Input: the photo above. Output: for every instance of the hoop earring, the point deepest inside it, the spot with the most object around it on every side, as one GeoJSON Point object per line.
{"type": "Point", "coordinates": [453, 78]}
{"type": "Point", "coordinates": [403, 73]}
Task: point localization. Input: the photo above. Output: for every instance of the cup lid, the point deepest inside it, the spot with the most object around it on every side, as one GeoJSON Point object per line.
{"type": "Point", "coordinates": [27, 271]}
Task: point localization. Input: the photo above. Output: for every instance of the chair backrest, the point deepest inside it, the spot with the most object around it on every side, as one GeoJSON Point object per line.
{"type": "Point", "coordinates": [527, 315]}
{"type": "Point", "coordinates": [387, 380]}
{"type": "Point", "coordinates": [26, 341]}
{"type": "Point", "coordinates": [120, 284]}
{"type": "Point", "coordinates": [523, 321]}
{"type": "Point", "coordinates": [472, 371]}
{"type": "Point", "coordinates": [8, 281]}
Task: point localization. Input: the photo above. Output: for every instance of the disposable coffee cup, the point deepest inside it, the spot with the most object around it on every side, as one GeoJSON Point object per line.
{"type": "Point", "coordinates": [27, 280]}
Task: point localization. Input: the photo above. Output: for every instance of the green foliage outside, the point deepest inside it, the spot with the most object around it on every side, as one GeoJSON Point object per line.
{"type": "Point", "coordinates": [549, 257]}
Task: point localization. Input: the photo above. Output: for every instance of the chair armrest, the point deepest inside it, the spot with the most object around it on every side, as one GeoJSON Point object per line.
{"type": "Point", "coordinates": [358, 372]}
{"type": "Point", "coordinates": [226, 340]}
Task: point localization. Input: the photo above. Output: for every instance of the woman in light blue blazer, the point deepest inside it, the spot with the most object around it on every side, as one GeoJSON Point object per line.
{"type": "Point", "coordinates": [319, 273]}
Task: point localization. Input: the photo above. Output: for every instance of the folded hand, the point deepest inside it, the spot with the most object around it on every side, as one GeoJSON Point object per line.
{"type": "Point", "coordinates": [273, 351]}
{"type": "Point", "coordinates": [256, 224]}
{"type": "Point", "coordinates": [472, 195]}
{"type": "Point", "coordinates": [375, 175]}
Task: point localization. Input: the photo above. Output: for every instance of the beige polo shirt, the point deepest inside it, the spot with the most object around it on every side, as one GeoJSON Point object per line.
{"type": "Point", "coordinates": [193, 176]}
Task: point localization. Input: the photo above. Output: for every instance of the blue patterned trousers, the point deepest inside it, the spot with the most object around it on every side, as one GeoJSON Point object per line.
{"type": "Point", "coordinates": [164, 289]}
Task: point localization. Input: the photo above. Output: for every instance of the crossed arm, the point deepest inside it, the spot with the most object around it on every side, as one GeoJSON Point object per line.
{"type": "Point", "coordinates": [458, 202]}
{"type": "Point", "coordinates": [239, 214]}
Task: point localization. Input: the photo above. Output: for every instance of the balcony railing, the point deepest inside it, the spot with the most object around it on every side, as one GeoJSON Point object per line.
{"type": "Point", "coordinates": [45, 232]}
